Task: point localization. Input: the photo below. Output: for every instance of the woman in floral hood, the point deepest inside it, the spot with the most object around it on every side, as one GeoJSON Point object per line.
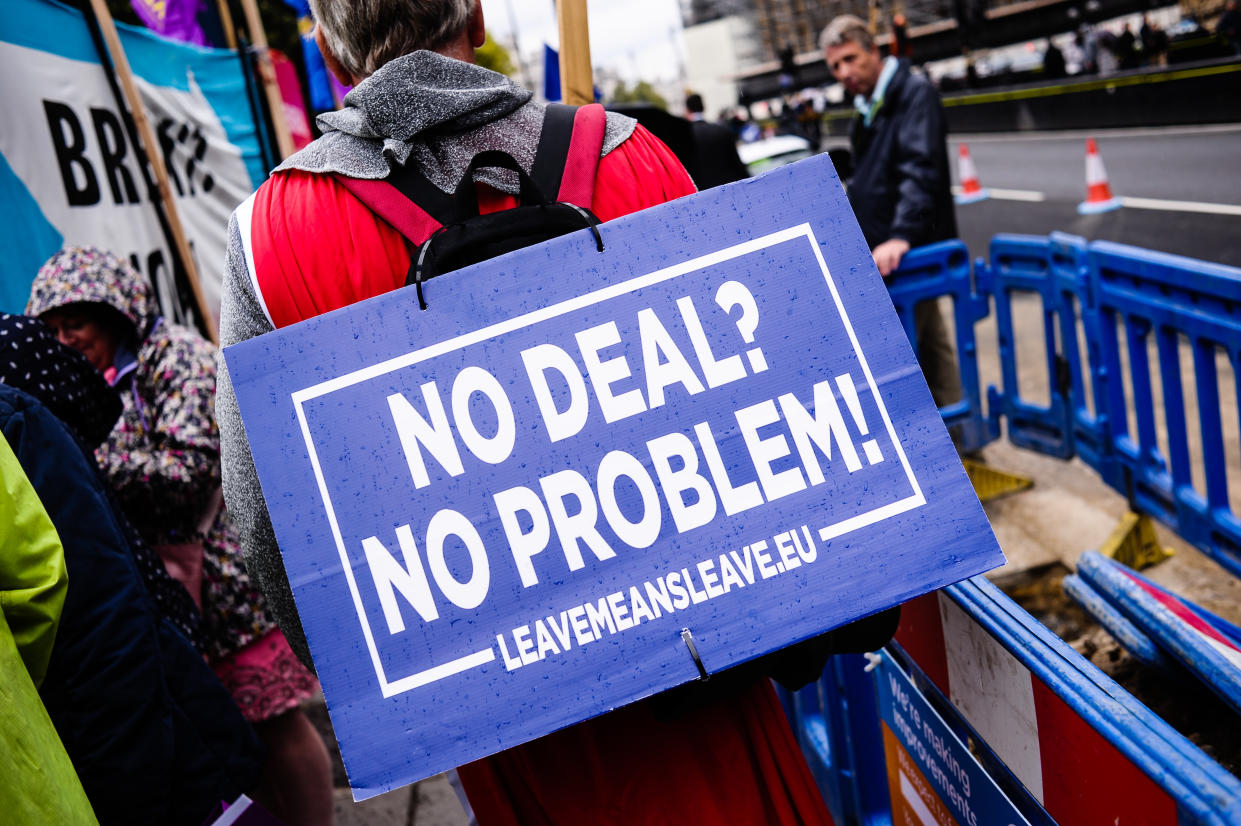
{"type": "Point", "coordinates": [163, 460]}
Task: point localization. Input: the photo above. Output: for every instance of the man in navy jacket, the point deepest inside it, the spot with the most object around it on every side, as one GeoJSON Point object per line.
{"type": "Point", "coordinates": [899, 189]}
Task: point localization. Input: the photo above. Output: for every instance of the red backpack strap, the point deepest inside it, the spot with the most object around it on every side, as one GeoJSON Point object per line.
{"type": "Point", "coordinates": [578, 184]}
{"type": "Point", "coordinates": [387, 201]}
{"type": "Point", "coordinates": [564, 168]}
{"type": "Point", "coordinates": [568, 153]}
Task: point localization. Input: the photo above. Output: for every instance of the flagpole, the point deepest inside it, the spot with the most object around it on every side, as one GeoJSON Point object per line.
{"type": "Point", "coordinates": [267, 72]}
{"type": "Point", "coordinates": [577, 85]}
{"type": "Point", "coordinates": [146, 136]}
{"type": "Point", "coordinates": [226, 23]}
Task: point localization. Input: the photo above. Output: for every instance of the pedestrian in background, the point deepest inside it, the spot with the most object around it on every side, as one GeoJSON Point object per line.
{"type": "Point", "coordinates": [1105, 51]}
{"type": "Point", "coordinates": [716, 160]}
{"type": "Point", "coordinates": [153, 736]}
{"type": "Point", "coordinates": [39, 783]}
{"type": "Point", "coordinates": [1126, 47]}
{"type": "Point", "coordinates": [1054, 65]}
{"type": "Point", "coordinates": [32, 360]}
{"type": "Point", "coordinates": [1088, 45]}
{"type": "Point", "coordinates": [1154, 43]}
{"type": "Point", "coordinates": [1228, 27]}
{"type": "Point", "coordinates": [162, 459]}
{"type": "Point", "coordinates": [899, 189]}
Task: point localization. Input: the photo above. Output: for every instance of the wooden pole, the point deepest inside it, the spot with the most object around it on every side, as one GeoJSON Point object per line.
{"type": "Point", "coordinates": [226, 23]}
{"type": "Point", "coordinates": [155, 157]}
{"type": "Point", "coordinates": [267, 71]}
{"type": "Point", "coordinates": [577, 83]}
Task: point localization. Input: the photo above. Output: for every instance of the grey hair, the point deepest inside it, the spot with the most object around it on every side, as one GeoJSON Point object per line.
{"type": "Point", "coordinates": [366, 34]}
{"type": "Point", "coordinates": [846, 28]}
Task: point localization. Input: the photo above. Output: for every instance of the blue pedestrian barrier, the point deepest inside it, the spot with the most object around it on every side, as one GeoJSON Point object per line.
{"type": "Point", "coordinates": [1051, 738]}
{"type": "Point", "coordinates": [974, 693]}
{"type": "Point", "coordinates": [1188, 308]}
{"type": "Point", "coordinates": [1021, 267]}
{"type": "Point", "coordinates": [1139, 645]}
{"type": "Point", "coordinates": [1209, 646]}
{"type": "Point", "coordinates": [836, 737]}
{"type": "Point", "coordinates": [1091, 295]}
{"type": "Point", "coordinates": [928, 274]}
{"type": "Point", "coordinates": [1070, 269]}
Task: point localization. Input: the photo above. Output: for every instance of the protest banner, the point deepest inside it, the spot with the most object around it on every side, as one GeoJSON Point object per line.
{"type": "Point", "coordinates": [583, 477]}
{"type": "Point", "coordinates": [68, 171]}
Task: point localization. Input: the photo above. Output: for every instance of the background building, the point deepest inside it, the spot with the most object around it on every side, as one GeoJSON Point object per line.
{"type": "Point", "coordinates": [716, 52]}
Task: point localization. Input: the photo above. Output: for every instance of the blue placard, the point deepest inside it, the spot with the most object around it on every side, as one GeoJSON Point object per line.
{"type": "Point", "coordinates": [499, 515]}
{"type": "Point", "coordinates": [932, 776]}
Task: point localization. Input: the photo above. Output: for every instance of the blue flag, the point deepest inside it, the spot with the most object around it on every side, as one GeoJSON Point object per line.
{"type": "Point", "coordinates": [551, 73]}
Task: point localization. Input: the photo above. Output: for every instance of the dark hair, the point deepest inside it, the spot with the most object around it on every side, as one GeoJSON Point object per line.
{"type": "Point", "coordinates": [108, 317]}
{"type": "Point", "coordinates": [693, 103]}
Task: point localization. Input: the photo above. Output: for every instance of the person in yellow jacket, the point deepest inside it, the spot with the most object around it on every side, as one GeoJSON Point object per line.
{"type": "Point", "coordinates": [38, 784]}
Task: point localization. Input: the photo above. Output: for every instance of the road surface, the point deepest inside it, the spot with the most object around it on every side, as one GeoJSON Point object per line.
{"type": "Point", "coordinates": [1181, 187]}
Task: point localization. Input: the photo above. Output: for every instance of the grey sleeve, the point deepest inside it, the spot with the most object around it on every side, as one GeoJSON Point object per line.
{"type": "Point", "coordinates": [241, 318]}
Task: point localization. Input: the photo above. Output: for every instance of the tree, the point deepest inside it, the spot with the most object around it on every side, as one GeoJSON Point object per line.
{"type": "Point", "coordinates": [642, 92]}
{"type": "Point", "coordinates": [491, 55]}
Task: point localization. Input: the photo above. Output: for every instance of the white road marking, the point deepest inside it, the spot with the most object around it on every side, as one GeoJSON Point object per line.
{"type": "Point", "coordinates": [1163, 204]}
{"type": "Point", "coordinates": [1010, 194]}
{"type": "Point", "coordinates": [1182, 206]}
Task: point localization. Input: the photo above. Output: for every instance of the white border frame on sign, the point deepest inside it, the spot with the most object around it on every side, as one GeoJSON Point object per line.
{"type": "Point", "coordinates": [479, 658]}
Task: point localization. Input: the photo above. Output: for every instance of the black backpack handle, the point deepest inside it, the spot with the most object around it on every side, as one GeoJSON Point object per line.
{"type": "Point", "coordinates": [465, 199]}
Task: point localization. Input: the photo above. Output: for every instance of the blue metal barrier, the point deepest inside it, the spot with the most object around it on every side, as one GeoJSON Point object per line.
{"type": "Point", "coordinates": [1057, 740]}
{"type": "Point", "coordinates": [1070, 268]}
{"type": "Point", "coordinates": [1207, 645]}
{"type": "Point", "coordinates": [1060, 740]}
{"type": "Point", "coordinates": [1170, 298]}
{"type": "Point", "coordinates": [836, 729]}
{"type": "Point", "coordinates": [1027, 264]}
{"type": "Point", "coordinates": [1139, 645]}
{"type": "Point", "coordinates": [927, 274]}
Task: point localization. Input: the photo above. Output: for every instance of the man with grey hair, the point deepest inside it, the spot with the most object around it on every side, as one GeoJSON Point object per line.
{"type": "Point", "coordinates": [306, 244]}
{"type": "Point", "coordinates": [899, 189]}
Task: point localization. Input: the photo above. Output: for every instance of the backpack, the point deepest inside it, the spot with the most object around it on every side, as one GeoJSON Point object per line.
{"type": "Point", "coordinates": [447, 232]}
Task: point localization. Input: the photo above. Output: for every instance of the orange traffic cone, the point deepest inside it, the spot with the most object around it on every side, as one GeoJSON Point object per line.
{"type": "Point", "coordinates": [971, 188]}
{"type": "Point", "coordinates": [1099, 196]}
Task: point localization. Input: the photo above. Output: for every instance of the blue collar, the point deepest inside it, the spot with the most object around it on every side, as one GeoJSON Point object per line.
{"type": "Point", "coordinates": [126, 359]}
{"type": "Point", "coordinates": [123, 363]}
{"type": "Point", "coordinates": [868, 107]}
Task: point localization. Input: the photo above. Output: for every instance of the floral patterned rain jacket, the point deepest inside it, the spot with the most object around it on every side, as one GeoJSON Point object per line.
{"type": "Point", "coordinates": [163, 456]}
